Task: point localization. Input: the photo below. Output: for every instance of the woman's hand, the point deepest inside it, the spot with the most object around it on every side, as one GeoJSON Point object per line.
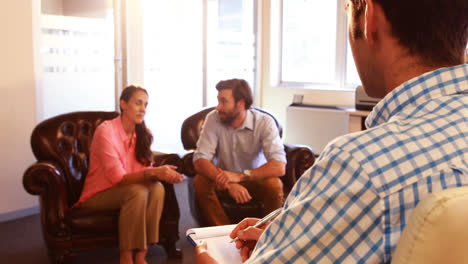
{"type": "Point", "coordinates": [248, 236]}
{"type": "Point", "coordinates": [165, 173]}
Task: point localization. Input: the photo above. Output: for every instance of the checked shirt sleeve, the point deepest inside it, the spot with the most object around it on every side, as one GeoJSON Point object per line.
{"type": "Point", "coordinates": [331, 216]}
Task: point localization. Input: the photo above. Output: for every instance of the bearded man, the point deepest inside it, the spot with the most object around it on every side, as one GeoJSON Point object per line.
{"type": "Point", "coordinates": [239, 154]}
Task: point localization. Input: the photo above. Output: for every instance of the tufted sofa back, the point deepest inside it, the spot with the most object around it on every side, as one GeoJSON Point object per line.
{"type": "Point", "coordinates": [65, 140]}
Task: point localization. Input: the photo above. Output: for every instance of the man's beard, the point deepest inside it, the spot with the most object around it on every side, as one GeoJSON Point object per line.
{"type": "Point", "coordinates": [229, 117]}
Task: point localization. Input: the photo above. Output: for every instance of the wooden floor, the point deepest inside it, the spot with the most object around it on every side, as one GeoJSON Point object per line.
{"type": "Point", "coordinates": [22, 243]}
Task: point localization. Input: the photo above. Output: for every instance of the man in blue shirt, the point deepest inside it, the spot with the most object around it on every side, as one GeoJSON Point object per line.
{"type": "Point", "coordinates": [353, 204]}
{"type": "Point", "coordinates": [239, 154]}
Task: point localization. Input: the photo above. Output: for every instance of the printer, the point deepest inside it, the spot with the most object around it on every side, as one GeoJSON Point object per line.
{"type": "Point", "coordinates": [363, 101]}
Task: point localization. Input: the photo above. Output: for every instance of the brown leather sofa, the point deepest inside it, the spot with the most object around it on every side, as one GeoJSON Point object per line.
{"type": "Point", "coordinates": [299, 159]}
{"type": "Point", "coordinates": [61, 146]}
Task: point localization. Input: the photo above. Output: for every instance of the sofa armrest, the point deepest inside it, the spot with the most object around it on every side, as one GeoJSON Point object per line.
{"type": "Point", "coordinates": [47, 180]}
{"type": "Point", "coordinates": [189, 169]}
{"type": "Point", "coordinates": [160, 158]}
{"type": "Point", "coordinates": [299, 159]}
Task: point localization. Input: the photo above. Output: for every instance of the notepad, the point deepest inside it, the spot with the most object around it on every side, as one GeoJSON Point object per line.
{"type": "Point", "coordinates": [217, 240]}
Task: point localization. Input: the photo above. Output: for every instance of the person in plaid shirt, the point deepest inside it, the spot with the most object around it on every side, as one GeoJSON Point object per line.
{"type": "Point", "coordinates": [353, 204]}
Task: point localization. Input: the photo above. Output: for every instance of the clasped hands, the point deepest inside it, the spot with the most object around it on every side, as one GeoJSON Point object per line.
{"type": "Point", "coordinates": [228, 180]}
{"type": "Point", "coordinates": [167, 173]}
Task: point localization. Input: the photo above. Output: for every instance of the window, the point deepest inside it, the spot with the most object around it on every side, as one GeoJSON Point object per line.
{"type": "Point", "coordinates": [173, 67]}
{"type": "Point", "coordinates": [188, 47]}
{"type": "Point", "coordinates": [230, 43]}
{"type": "Point", "coordinates": [314, 49]}
{"type": "Point", "coordinates": [77, 57]}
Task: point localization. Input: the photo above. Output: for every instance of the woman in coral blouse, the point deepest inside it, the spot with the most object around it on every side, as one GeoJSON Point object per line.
{"type": "Point", "coordinates": [121, 176]}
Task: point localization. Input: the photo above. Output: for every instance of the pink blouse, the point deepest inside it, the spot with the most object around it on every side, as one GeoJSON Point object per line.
{"type": "Point", "coordinates": [111, 157]}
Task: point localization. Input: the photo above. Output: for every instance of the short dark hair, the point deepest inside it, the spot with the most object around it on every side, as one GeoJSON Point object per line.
{"type": "Point", "coordinates": [436, 31]}
{"type": "Point", "coordinates": [240, 90]}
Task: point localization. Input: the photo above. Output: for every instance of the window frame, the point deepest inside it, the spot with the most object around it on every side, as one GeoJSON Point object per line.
{"type": "Point", "coordinates": [341, 52]}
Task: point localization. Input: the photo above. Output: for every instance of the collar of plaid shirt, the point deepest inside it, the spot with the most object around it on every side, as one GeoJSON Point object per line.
{"type": "Point", "coordinates": [441, 82]}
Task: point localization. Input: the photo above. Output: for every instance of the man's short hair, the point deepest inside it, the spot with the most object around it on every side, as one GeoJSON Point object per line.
{"type": "Point", "coordinates": [436, 31]}
{"type": "Point", "coordinates": [240, 90]}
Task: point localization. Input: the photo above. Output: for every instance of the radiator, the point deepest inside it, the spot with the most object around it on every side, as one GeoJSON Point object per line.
{"type": "Point", "coordinates": [314, 126]}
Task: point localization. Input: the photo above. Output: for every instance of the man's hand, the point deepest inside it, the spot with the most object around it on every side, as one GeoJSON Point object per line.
{"type": "Point", "coordinates": [239, 193]}
{"type": "Point", "coordinates": [248, 236]}
{"type": "Point", "coordinates": [225, 177]}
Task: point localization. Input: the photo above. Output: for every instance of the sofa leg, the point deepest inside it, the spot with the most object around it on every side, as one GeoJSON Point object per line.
{"type": "Point", "coordinates": [171, 250]}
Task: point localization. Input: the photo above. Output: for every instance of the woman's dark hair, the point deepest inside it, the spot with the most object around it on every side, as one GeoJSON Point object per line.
{"type": "Point", "coordinates": [240, 90]}
{"type": "Point", "coordinates": [436, 31]}
{"type": "Point", "coordinates": [144, 138]}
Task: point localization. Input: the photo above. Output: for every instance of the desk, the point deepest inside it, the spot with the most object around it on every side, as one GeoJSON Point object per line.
{"type": "Point", "coordinates": [356, 119]}
{"type": "Point", "coordinates": [316, 126]}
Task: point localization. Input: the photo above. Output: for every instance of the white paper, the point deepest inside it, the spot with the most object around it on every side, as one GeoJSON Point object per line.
{"type": "Point", "coordinates": [217, 242]}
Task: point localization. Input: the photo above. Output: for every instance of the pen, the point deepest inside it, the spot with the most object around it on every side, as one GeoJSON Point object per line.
{"type": "Point", "coordinates": [265, 219]}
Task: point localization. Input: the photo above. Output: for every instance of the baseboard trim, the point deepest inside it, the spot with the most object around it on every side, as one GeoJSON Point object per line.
{"type": "Point", "coordinates": [19, 214]}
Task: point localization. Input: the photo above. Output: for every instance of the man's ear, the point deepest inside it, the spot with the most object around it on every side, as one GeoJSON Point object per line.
{"type": "Point", "coordinates": [371, 21]}
{"type": "Point", "coordinates": [241, 103]}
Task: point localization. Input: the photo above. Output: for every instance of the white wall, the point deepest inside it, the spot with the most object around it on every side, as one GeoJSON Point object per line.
{"type": "Point", "coordinates": [18, 105]}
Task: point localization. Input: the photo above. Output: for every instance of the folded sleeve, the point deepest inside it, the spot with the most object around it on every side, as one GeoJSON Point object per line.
{"type": "Point", "coordinates": [208, 140]}
{"type": "Point", "coordinates": [273, 147]}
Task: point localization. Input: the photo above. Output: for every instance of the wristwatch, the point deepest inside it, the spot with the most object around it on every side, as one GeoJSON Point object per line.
{"type": "Point", "coordinates": [247, 174]}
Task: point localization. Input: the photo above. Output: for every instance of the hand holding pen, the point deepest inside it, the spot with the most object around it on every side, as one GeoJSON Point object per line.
{"type": "Point", "coordinates": [250, 229]}
{"type": "Point", "coordinates": [262, 221]}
